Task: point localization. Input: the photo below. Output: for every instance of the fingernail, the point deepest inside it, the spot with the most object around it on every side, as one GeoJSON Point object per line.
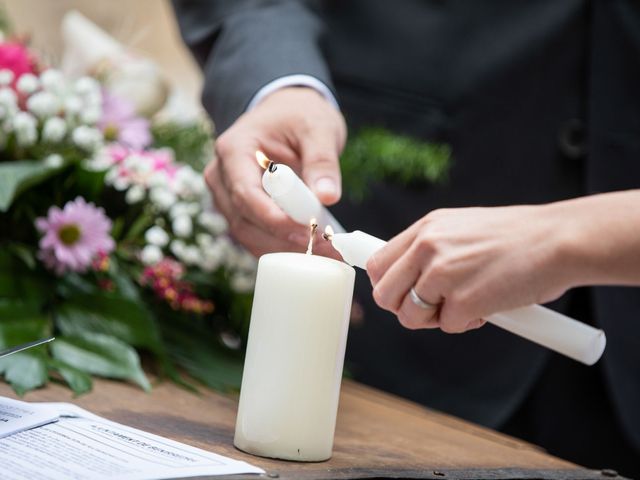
{"type": "Point", "coordinates": [326, 186]}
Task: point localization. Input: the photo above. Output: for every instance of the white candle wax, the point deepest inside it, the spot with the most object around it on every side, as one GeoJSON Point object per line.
{"type": "Point", "coordinates": [538, 324]}
{"type": "Point", "coordinates": [295, 353]}
{"type": "Point", "coordinates": [291, 194]}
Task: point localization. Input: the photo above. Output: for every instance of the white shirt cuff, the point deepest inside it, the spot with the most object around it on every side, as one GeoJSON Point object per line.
{"type": "Point", "coordinates": [297, 81]}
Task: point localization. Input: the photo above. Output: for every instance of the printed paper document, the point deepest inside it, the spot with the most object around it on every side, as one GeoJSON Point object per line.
{"type": "Point", "coordinates": [82, 445]}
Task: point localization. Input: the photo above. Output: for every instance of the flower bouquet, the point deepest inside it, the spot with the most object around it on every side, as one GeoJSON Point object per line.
{"type": "Point", "coordinates": [108, 239]}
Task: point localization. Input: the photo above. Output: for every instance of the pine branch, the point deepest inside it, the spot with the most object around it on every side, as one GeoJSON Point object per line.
{"type": "Point", "coordinates": [191, 143]}
{"type": "Point", "coordinates": [375, 154]}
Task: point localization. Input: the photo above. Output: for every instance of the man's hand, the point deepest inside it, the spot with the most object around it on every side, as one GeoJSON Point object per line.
{"type": "Point", "coordinates": [296, 126]}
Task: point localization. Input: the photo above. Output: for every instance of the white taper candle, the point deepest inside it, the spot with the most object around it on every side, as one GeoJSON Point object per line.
{"type": "Point", "coordinates": [293, 196]}
{"type": "Point", "coordinates": [538, 324]}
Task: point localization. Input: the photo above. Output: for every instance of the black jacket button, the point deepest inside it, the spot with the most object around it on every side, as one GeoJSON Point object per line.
{"type": "Point", "coordinates": [572, 139]}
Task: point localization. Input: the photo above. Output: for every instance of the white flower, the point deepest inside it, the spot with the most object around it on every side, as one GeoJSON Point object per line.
{"type": "Point", "coordinates": [189, 182]}
{"type": "Point", "coordinates": [191, 255]}
{"type": "Point", "coordinates": [162, 198]}
{"type": "Point", "coordinates": [27, 83]}
{"type": "Point", "coordinates": [86, 137]}
{"type": "Point", "coordinates": [159, 179]}
{"type": "Point", "coordinates": [43, 104]}
{"type": "Point", "coordinates": [231, 340]}
{"type": "Point", "coordinates": [6, 77]}
{"type": "Point", "coordinates": [87, 87]}
{"type": "Point", "coordinates": [120, 183]}
{"type": "Point", "coordinates": [246, 261]}
{"type": "Point", "coordinates": [93, 100]}
{"type": "Point", "coordinates": [8, 98]}
{"type": "Point", "coordinates": [54, 130]}
{"type": "Point", "coordinates": [100, 162]}
{"type": "Point", "coordinates": [209, 264]}
{"type": "Point", "coordinates": [54, 160]}
{"type": "Point", "coordinates": [213, 256]}
{"type": "Point", "coordinates": [177, 247]}
{"type": "Point", "coordinates": [242, 283]}
{"type": "Point", "coordinates": [72, 105]}
{"type": "Point", "coordinates": [157, 236]}
{"type": "Point", "coordinates": [213, 222]}
{"type": "Point", "coordinates": [226, 245]}
{"type": "Point", "coordinates": [182, 226]}
{"type": "Point", "coordinates": [151, 254]}
{"type": "Point", "coordinates": [24, 124]}
{"type": "Point", "coordinates": [91, 114]}
{"type": "Point", "coordinates": [204, 240]}
{"type": "Point", "coordinates": [138, 164]}
{"type": "Point", "coordinates": [134, 194]}
{"type": "Point", "coordinates": [184, 208]}
{"type": "Point", "coordinates": [52, 80]}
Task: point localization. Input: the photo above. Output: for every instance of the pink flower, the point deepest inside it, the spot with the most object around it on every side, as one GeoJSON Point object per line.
{"type": "Point", "coordinates": [165, 279]}
{"type": "Point", "coordinates": [120, 123]}
{"type": "Point", "coordinates": [74, 236]}
{"type": "Point", "coordinates": [118, 152]}
{"type": "Point", "coordinates": [139, 166]}
{"type": "Point", "coordinates": [15, 56]}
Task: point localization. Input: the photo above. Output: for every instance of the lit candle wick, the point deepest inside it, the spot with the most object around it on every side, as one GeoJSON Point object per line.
{"type": "Point", "coordinates": [313, 226]}
{"type": "Point", "coordinates": [328, 233]}
{"type": "Point", "coordinates": [263, 160]}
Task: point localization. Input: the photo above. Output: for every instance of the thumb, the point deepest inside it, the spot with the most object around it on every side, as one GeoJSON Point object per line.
{"type": "Point", "coordinates": [321, 167]}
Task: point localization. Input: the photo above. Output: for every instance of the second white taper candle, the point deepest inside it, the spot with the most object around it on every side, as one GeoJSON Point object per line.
{"type": "Point", "coordinates": [538, 324]}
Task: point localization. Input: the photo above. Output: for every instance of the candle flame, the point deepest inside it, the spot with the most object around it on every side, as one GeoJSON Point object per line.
{"type": "Point", "coordinates": [262, 159]}
{"type": "Point", "coordinates": [313, 226]}
{"type": "Point", "coordinates": [328, 233]}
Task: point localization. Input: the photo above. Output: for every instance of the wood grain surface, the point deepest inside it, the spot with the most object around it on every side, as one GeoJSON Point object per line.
{"type": "Point", "coordinates": [378, 435]}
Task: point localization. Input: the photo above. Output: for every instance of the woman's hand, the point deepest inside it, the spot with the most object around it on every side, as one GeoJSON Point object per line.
{"type": "Point", "coordinates": [472, 262]}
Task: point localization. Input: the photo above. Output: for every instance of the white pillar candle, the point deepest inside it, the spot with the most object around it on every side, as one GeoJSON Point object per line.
{"type": "Point", "coordinates": [538, 324]}
{"type": "Point", "coordinates": [291, 194]}
{"type": "Point", "coordinates": [295, 353]}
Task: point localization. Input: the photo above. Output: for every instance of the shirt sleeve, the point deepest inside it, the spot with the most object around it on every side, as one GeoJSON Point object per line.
{"type": "Point", "coordinates": [294, 81]}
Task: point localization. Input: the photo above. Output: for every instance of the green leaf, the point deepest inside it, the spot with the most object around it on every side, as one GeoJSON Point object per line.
{"type": "Point", "coordinates": [17, 176]}
{"type": "Point", "coordinates": [141, 223]}
{"type": "Point", "coordinates": [120, 317]}
{"type": "Point", "coordinates": [192, 143]}
{"type": "Point", "coordinates": [100, 354]}
{"type": "Point", "coordinates": [376, 154]}
{"type": "Point", "coordinates": [24, 371]}
{"type": "Point", "coordinates": [123, 281]}
{"type": "Point", "coordinates": [21, 322]}
{"type": "Point", "coordinates": [73, 284]}
{"type": "Point", "coordinates": [197, 351]}
{"type": "Point", "coordinates": [168, 369]}
{"type": "Point", "coordinates": [24, 253]}
{"type": "Point", "coordinates": [79, 381]}
{"type": "Point", "coordinates": [89, 183]}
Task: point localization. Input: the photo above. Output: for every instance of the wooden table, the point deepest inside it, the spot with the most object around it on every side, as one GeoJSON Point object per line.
{"type": "Point", "coordinates": [378, 435]}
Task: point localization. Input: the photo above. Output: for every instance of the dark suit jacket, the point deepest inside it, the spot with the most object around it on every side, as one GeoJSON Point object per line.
{"type": "Point", "coordinates": [540, 102]}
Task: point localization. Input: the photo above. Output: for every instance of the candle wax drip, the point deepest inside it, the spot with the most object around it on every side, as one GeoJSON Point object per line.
{"type": "Point", "coordinates": [313, 228]}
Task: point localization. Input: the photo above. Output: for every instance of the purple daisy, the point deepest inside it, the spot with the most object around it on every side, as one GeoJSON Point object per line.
{"type": "Point", "coordinates": [120, 123]}
{"type": "Point", "coordinates": [74, 236]}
